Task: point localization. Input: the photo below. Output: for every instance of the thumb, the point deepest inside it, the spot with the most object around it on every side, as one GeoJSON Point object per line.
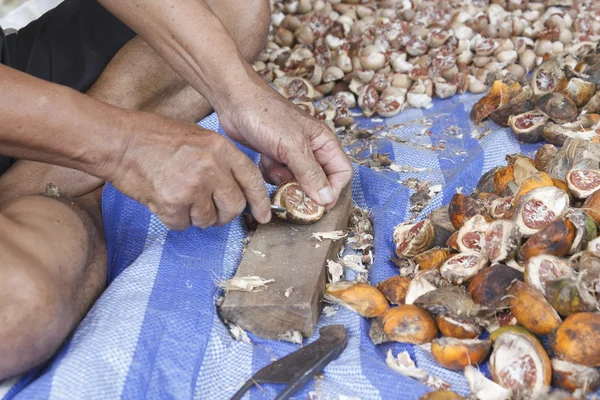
{"type": "Point", "coordinates": [309, 174]}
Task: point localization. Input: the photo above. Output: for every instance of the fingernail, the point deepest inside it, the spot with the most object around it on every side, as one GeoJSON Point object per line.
{"type": "Point", "coordinates": [326, 195]}
{"type": "Point", "coordinates": [267, 218]}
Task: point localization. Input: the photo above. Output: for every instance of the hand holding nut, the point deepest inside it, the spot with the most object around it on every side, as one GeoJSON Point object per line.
{"type": "Point", "coordinates": [293, 144]}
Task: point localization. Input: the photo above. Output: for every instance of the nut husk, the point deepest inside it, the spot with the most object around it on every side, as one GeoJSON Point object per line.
{"type": "Point", "coordinates": [592, 206]}
{"type": "Point", "coordinates": [544, 155]}
{"type": "Point", "coordinates": [573, 377]}
{"type": "Point", "coordinates": [442, 226]}
{"type": "Point", "coordinates": [395, 288]}
{"type": "Point", "coordinates": [556, 239]}
{"type": "Point", "coordinates": [504, 181]}
{"type": "Point", "coordinates": [432, 258]}
{"type": "Point", "coordinates": [532, 310]}
{"type": "Point", "coordinates": [569, 296]}
{"type": "Point", "coordinates": [579, 91]}
{"type": "Point", "coordinates": [498, 96]}
{"type": "Point", "coordinates": [585, 230]}
{"type": "Point", "coordinates": [577, 340]}
{"type": "Point", "coordinates": [582, 128]}
{"type": "Point", "coordinates": [560, 108]}
{"type": "Point", "coordinates": [449, 300]}
{"type": "Point", "coordinates": [489, 286]}
{"type": "Point", "coordinates": [462, 208]}
{"type": "Point", "coordinates": [460, 328]}
{"type": "Point", "coordinates": [362, 298]}
{"type": "Point", "coordinates": [518, 105]}
{"type": "Point", "coordinates": [537, 180]}
{"type": "Point", "coordinates": [409, 324]}
{"type": "Point", "coordinates": [456, 354]}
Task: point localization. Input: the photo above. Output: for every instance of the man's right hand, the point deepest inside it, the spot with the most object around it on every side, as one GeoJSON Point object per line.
{"type": "Point", "coordinates": [187, 175]}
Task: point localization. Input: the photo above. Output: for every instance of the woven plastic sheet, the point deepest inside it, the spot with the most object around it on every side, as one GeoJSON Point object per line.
{"type": "Point", "coordinates": [155, 333]}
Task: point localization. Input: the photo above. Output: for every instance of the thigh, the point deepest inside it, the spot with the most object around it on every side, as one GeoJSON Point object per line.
{"type": "Point", "coordinates": [69, 45]}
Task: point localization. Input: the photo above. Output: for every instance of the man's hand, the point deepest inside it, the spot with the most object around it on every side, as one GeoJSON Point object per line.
{"type": "Point", "coordinates": [188, 175]}
{"type": "Point", "coordinates": [292, 143]}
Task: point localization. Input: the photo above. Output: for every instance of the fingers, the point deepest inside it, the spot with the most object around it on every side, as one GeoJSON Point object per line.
{"type": "Point", "coordinates": [335, 163]}
{"type": "Point", "coordinates": [298, 155]}
{"type": "Point", "coordinates": [274, 172]}
{"type": "Point", "coordinates": [230, 202]}
{"type": "Point", "coordinates": [204, 213]}
{"type": "Point", "coordinates": [252, 185]}
{"type": "Point", "coordinates": [177, 219]}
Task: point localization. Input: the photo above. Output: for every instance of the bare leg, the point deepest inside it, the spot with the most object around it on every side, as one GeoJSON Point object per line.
{"type": "Point", "coordinates": [52, 252]}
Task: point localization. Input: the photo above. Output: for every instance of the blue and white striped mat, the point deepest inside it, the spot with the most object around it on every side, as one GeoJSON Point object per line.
{"type": "Point", "coordinates": [155, 334]}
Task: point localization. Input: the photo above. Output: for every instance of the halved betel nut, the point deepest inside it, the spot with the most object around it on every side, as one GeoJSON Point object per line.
{"type": "Point", "coordinates": [540, 207]}
{"type": "Point", "coordinates": [471, 235]}
{"type": "Point", "coordinates": [413, 239]}
{"type": "Point", "coordinates": [528, 126]}
{"type": "Point", "coordinates": [432, 258]}
{"type": "Point", "coordinates": [463, 266]}
{"type": "Point", "coordinates": [300, 208]}
{"type": "Point", "coordinates": [456, 354]}
{"type": "Point", "coordinates": [545, 267]}
{"type": "Point", "coordinates": [501, 240]}
{"type": "Point", "coordinates": [519, 362]}
{"type": "Point", "coordinates": [584, 178]}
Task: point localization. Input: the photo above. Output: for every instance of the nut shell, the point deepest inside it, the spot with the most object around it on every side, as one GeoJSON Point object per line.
{"type": "Point", "coordinates": [489, 286]}
{"type": "Point", "coordinates": [433, 258]}
{"type": "Point", "coordinates": [532, 310]}
{"type": "Point", "coordinates": [395, 288]}
{"type": "Point", "coordinates": [571, 377]}
{"type": "Point", "coordinates": [555, 239]}
{"type": "Point", "coordinates": [409, 324]}
{"type": "Point", "coordinates": [592, 206]}
{"type": "Point", "coordinates": [456, 354]}
{"type": "Point", "coordinates": [456, 327]}
{"type": "Point", "coordinates": [362, 298]}
{"type": "Point", "coordinates": [577, 340]}
{"type": "Point", "coordinates": [504, 181]}
{"type": "Point", "coordinates": [558, 107]}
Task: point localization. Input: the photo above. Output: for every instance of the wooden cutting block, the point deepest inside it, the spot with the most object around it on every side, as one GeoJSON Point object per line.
{"type": "Point", "coordinates": [293, 260]}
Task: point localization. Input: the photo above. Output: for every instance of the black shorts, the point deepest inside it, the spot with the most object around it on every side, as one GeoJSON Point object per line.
{"type": "Point", "coordinates": [69, 45]}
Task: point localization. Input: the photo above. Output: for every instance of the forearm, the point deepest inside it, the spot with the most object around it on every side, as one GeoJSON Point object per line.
{"type": "Point", "coordinates": [198, 46]}
{"type": "Point", "coordinates": [44, 122]}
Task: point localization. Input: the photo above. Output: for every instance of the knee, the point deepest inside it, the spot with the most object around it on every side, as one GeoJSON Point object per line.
{"type": "Point", "coordinates": [33, 321]}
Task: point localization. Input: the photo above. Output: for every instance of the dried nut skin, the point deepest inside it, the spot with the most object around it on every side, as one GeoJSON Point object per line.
{"type": "Point", "coordinates": [413, 239]}
{"type": "Point", "coordinates": [362, 298]}
{"type": "Point", "coordinates": [486, 182]}
{"type": "Point", "coordinates": [442, 226]}
{"type": "Point", "coordinates": [409, 324]}
{"type": "Point", "coordinates": [462, 208]}
{"type": "Point", "coordinates": [517, 105]}
{"type": "Point", "coordinates": [555, 239]}
{"type": "Point", "coordinates": [519, 362]}
{"type": "Point", "coordinates": [490, 102]}
{"type": "Point", "coordinates": [577, 340]}
{"type": "Point", "coordinates": [489, 286]}
{"type": "Point", "coordinates": [300, 208]}
{"type": "Point", "coordinates": [433, 258]}
{"type": "Point", "coordinates": [579, 91]}
{"type": "Point", "coordinates": [581, 128]}
{"type": "Point", "coordinates": [456, 354]}
{"type": "Point", "coordinates": [571, 377]}
{"type": "Point", "coordinates": [394, 289]}
{"type": "Point", "coordinates": [532, 310]}
{"type": "Point", "coordinates": [558, 107]}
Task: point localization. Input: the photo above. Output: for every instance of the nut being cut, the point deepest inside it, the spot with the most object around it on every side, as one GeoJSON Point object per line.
{"type": "Point", "coordinates": [413, 239]}
{"type": "Point", "coordinates": [540, 207]}
{"type": "Point", "coordinates": [463, 266]}
{"type": "Point", "coordinates": [299, 207]}
{"type": "Point", "coordinates": [519, 362]}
